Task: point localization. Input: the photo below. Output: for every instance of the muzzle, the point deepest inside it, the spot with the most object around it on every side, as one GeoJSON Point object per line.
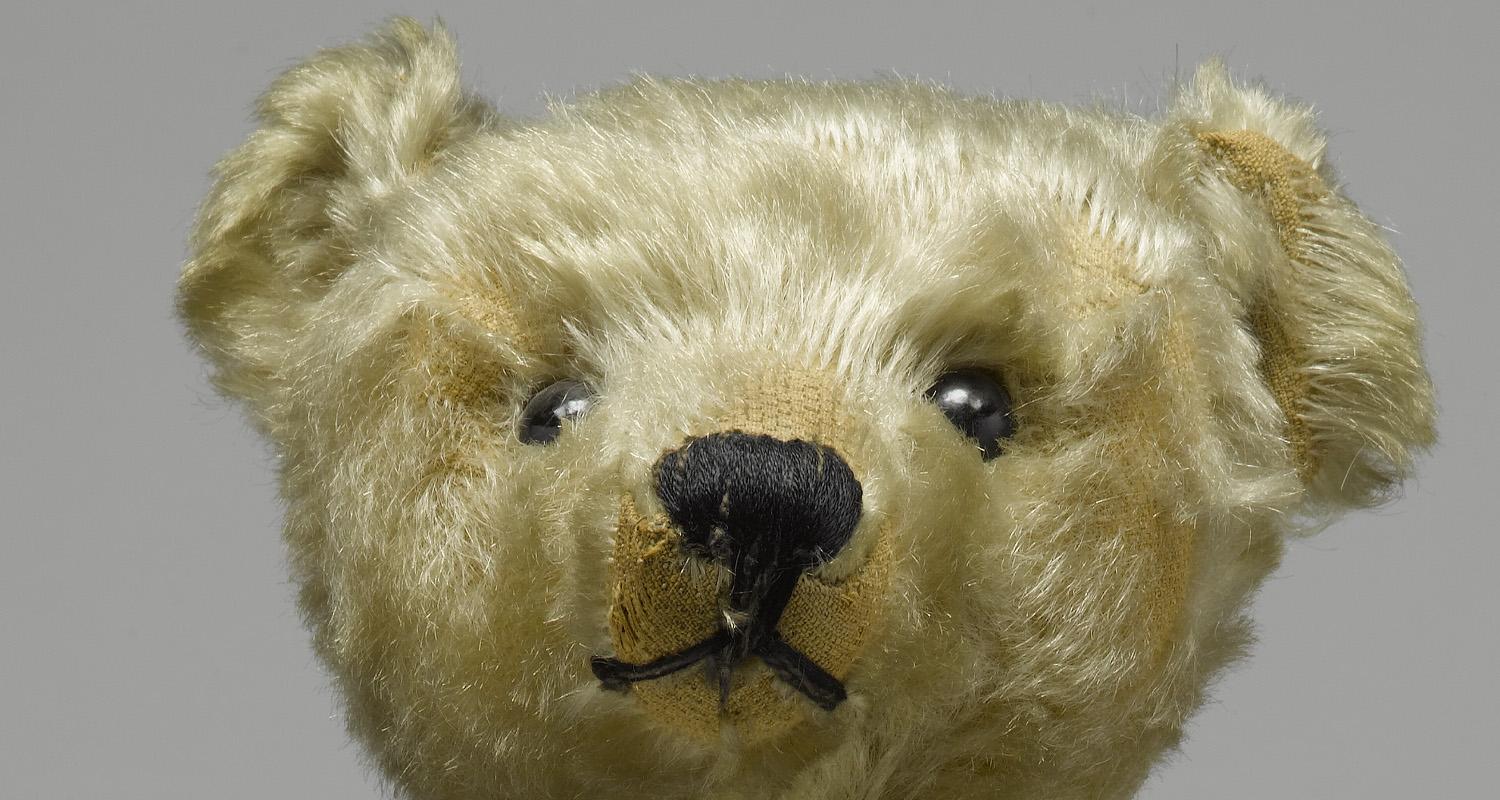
{"type": "Point", "coordinates": [767, 511]}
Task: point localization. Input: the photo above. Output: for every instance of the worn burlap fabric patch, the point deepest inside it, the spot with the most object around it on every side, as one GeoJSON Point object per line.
{"type": "Point", "coordinates": [457, 367]}
{"type": "Point", "coordinates": [1102, 270]}
{"type": "Point", "coordinates": [453, 367]}
{"type": "Point", "coordinates": [661, 603]}
{"type": "Point", "coordinates": [1104, 279]}
{"type": "Point", "coordinates": [792, 403]}
{"type": "Point", "coordinates": [459, 370]}
{"type": "Point", "coordinates": [495, 313]}
{"type": "Point", "coordinates": [1288, 186]}
{"type": "Point", "coordinates": [1133, 512]}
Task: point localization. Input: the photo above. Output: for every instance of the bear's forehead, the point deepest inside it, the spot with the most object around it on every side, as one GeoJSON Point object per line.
{"type": "Point", "coordinates": [911, 154]}
{"type": "Point", "coordinates": [793, 198]}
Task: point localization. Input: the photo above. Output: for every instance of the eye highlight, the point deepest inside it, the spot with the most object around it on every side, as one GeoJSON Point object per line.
{"type": "Point", "coordinates": [542, 419]}
{"type": "Point", "coordinates": [978, 405]}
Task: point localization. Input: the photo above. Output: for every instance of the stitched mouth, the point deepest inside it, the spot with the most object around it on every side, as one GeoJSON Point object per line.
{"type": "Point", "coordinates": [721, 652]}
{"type": "Point", "coordinates": [680, 634]}
{"type": "Point", "coordinates": [764, 572]}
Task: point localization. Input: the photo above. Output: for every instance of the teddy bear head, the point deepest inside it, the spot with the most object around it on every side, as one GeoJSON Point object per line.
{"type": "Point", "coordinates": [790, 439]}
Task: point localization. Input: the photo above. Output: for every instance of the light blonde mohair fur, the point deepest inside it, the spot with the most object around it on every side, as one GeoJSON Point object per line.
{"type": "Point", "coordinates": [1207, 345]}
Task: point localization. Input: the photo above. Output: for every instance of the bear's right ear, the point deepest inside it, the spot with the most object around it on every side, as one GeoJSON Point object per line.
{"type": "Point", "coordinates": [1319, 288]}
{"type": "Point", "coordinates": [337, 133]}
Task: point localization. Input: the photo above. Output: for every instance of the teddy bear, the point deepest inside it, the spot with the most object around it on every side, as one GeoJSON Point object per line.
{"type": "Point", "coordinates": [783, 439]}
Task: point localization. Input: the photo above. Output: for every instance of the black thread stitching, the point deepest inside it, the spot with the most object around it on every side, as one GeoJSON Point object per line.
{"type": "Point", "coordinates": [768, 510]}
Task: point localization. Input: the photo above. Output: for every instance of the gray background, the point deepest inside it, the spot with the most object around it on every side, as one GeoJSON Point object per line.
{"type": "Point", "coordinates": [148, 642]}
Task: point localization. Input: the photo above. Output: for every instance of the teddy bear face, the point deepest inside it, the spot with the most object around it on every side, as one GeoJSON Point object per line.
{"type": "Point", "coordinates": [747, 290]}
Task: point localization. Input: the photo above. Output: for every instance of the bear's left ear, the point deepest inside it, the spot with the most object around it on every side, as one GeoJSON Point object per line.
{"type": "Point", "coordinates": [1318, 286]}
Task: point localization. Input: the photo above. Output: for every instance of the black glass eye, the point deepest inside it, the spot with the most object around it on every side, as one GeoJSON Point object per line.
{"type": "Point", "coordinates": [542, 420]}
{"type": "Point", "coordinates": [978, 405]}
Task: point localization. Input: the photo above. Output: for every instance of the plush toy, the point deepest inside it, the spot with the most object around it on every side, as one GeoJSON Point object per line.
{"type": "Point", "coordinates": [777, 439]}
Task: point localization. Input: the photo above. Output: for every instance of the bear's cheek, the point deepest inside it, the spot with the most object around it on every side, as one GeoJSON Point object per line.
{"type": "Point", "coordinates": [453, 615]}
{"type": "Point", "coordinates": [1094, 577]}
{"type": "Point", "coordinates": [439, 556]}
{"type": "Point", "coordinates": [1086, 583]}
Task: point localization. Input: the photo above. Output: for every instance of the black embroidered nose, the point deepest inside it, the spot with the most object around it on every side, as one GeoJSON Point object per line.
{"type": "Point", "coordinates": [767, 510]}
{"type": "Point", "coordinates": [755, 503]}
